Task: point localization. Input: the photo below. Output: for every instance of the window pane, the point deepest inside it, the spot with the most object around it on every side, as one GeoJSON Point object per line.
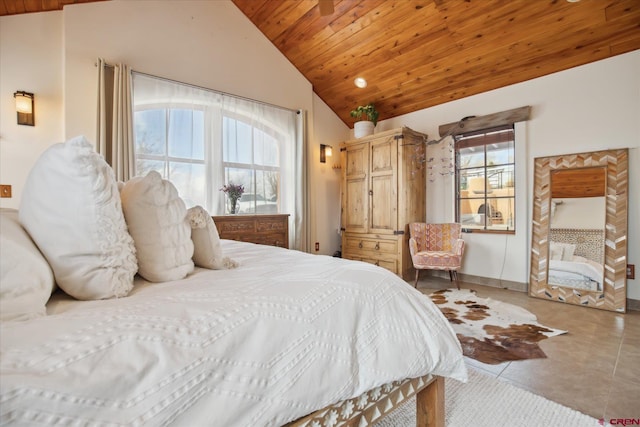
{"type": "Point", "coordinates": [186, 134]}
{"type": "Point", "coordinates": [500, 153]}
{"type": "Point", "coordinates": [471, 157]}
{"type": "Point", "coordinates": [228, 139]}
{"type": "Point", "coordinates": [149, 129]}
{"type": "Point", "coordinates": [500, 214]}
{"type": "Point", "coordinates": [472, 182]}
{"type": "Point", "coordinates": [198, 134]}
{"type": "Point", "coordinates": [239, 176]}
{"type": "Point", "coordinates": [267, 188]}
{"type": "Point", "coordinates": [500, 177]}
{"type": "Point", "coordinates": [237, 141]}
{"type": "Point", "coordinates": [266, 150]}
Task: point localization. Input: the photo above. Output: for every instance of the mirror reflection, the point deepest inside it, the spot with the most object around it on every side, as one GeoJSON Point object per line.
{"type": "Point", "coordinates": [577, 228]}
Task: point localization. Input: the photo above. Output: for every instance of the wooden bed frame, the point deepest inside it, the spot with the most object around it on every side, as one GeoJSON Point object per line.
{"type": "Point", "coordinates": [375, 404]}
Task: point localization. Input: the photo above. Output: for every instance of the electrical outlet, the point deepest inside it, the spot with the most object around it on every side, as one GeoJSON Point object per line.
{"type": "Point", "coordinates": [5, 191]}
{"type": "Point", "coordinates": [631, 271]}
{"type": "Point", "coordinates": [317, 246]}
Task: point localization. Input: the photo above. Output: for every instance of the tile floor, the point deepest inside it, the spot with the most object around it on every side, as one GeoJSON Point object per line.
{"type": "Point", "coordinates": [594, 368]}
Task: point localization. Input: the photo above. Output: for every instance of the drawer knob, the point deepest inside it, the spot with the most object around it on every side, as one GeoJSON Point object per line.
{"type": "Point", "coordinates": [377, 263]}
{"type": "Point", "coordinates": [360, 245]}
{"type": "Point", "coordinates": [377, 246]}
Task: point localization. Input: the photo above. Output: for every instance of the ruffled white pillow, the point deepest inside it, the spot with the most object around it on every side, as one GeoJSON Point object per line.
{"type": "Point", "coordinates": [156, 217]}
{"type": "Point", "coordinates": [555, 250]}
{"type": "Point", "coordinates": [26, 280]}
{"type": "Point", "coordinates": [71, 209]}
{"type": "Point", "coordinates": [207, 250]}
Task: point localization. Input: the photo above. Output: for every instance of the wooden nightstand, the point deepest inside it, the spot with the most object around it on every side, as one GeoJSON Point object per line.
{"type": "Point", "coordinates": [270, 230]}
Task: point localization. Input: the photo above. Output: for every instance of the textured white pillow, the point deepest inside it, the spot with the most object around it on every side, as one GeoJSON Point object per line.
{"type": "Point", "coordinates": [207, 250]}
{"type": "Point", "coordinates": [555, 250]}
{"type": "Point", "coordinates": [568, 250]}
{"type": "Point", "coordinates": [26, 280]}
{"type": "Point", "coordinates": [71, 208]}
{"type": "Point", "coordinates": [156, 218]}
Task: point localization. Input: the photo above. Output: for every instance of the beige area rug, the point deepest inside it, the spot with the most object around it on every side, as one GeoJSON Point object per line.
{"type": "Point", "coordinates": [492, 331]}
{"type": "Point", "coordinates": [485, 401]}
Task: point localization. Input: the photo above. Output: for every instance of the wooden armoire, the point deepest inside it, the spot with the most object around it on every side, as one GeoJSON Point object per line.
{"type": "Point", "coordinates": [383, 190]}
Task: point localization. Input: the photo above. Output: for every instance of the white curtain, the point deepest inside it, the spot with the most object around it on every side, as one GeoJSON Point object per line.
{"type": "Point", "coordinates": [156, 93]}
{"type": "Point", "coordinates": [115, 120]}
{"type": "Point", "coordinates": [152, 92]}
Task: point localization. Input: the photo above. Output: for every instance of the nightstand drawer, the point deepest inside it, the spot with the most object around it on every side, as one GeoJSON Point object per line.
{"type": "Point", "coordinates": [270, 230]}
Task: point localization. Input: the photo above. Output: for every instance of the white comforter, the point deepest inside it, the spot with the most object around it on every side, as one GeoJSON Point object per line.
{"type": "Point", "coordinates": [583, 273]}
{"type": "Point", "coordinates": [282, 335]}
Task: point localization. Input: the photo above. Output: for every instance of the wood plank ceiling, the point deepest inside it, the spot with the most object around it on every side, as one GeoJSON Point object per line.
{"type": "Point", "coordinates": [15, 7]}
{"type": "Point", "coordinates": [419, 53]}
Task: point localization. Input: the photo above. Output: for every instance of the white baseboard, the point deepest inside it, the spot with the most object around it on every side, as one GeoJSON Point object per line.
{"type": "Point", "coordinates": [485, 281]}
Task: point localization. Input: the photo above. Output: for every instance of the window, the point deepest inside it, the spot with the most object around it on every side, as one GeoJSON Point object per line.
{"type": "Point", "coordinates": [171, 142]}
{"type": "Point", "coordinates": [485, 179]}
{"type": "Point", "coordinates": [200, 140]}
{"type": "Point", "coordinates": [251, 157]}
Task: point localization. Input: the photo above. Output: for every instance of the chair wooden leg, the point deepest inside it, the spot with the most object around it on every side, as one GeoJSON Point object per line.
{"type": "Point", "coordinates": [415, 285]}
{"type": "Point", "coordinates": [455, 274]}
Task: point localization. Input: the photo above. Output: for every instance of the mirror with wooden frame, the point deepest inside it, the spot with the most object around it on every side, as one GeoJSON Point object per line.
{"type": "Point", "coordinates": [579, 232]}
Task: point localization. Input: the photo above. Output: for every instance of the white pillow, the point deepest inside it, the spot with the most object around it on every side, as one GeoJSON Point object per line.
{"type": "Point", "coordinates": [26, 280]}
{"type": "Point", "coordinates": [207, 250]}
{"type": "Point", "coordinates": [555, 250]}
{"type": "Point", "coordinates": [568, 250]}
{"type": "Point", "coordinates": [156, 218]}
{"type": "Point", "coordinates": [71, 208]}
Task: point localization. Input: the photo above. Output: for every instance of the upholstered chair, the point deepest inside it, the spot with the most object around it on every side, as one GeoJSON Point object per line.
{"type": "Point", "coordinates": [436, 247]}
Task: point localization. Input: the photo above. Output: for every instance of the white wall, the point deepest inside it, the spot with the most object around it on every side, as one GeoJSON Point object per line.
{"type": "Point", "coordinates": [587, 108]}
{"type": "Point", "coordinates": [205, 43]}
{"type": "Point", "coordinates": [30, 60]}
{"type": "Point", "coordinates": [326, 190]}
{"type": "Point", "coordinates": [581, 212]}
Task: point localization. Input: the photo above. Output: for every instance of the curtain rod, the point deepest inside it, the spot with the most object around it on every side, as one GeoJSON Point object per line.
{"type": "Point", "coordinates": [208, 89]}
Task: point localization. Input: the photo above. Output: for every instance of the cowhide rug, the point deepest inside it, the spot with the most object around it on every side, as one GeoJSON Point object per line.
{"type": "Point", "coordinates": [492, 331]}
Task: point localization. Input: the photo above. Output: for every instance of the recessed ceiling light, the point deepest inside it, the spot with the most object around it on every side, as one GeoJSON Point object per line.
{"type": "Point", "coordinates": [360, 82]}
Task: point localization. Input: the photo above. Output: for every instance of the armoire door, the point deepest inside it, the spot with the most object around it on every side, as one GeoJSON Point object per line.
{"type": "Point", "coordinates": [355, 199]}
{"type": "Point", "coordinates": [383, 186]}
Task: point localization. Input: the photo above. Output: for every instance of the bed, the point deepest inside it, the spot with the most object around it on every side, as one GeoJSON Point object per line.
{"type": "Point", "coordinates": [578, 273]}
{"type": "Point", "coordinates": [265, 337]}
{"type": "Point", "coordinates": [576, 258]}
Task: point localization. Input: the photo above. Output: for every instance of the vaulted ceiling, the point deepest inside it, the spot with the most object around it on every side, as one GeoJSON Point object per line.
{"type": "Point", "coordinates": [420, 53]}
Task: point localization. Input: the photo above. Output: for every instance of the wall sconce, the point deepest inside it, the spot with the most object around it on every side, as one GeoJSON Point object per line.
{"type": "Point", "coordinates": [325, 151]}
{"type": "Point", "coordinates": [24, 108]}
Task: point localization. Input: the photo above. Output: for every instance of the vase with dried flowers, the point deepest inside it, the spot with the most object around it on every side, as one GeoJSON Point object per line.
{"type": "Point", "coordinates": [233, 192]}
